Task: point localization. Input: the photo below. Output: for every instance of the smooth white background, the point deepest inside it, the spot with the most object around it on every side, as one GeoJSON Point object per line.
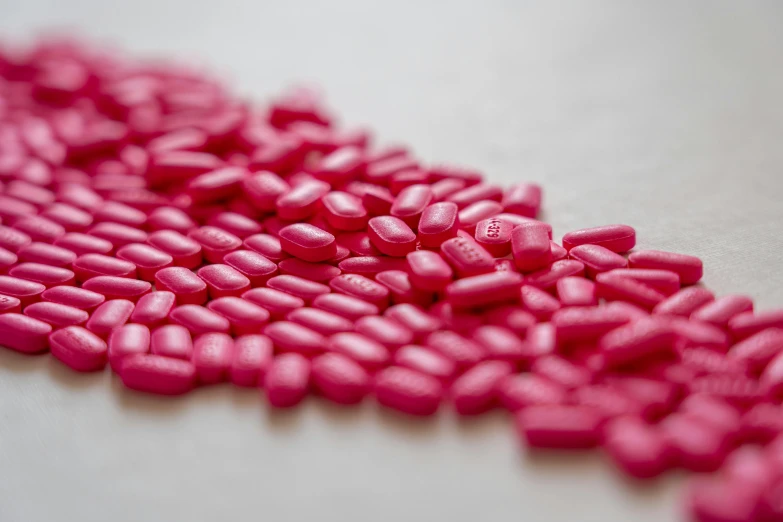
{"type": "Point", "coordinates": [664, 115]}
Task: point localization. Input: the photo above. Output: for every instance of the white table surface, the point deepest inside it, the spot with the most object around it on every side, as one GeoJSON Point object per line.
{"type": "Point", "coordinates": [667, 116]}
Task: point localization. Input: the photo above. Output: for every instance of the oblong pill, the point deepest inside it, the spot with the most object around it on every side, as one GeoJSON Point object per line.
{"type": "Point", "coordinates": [245, 317]}
{"type": "Point", "coordinates": [170, 218]}
{"type": "Point", "coordinates": [319, 272]}
{"type": "Point", "coordinates": [158, 374]}
{"type": "Point", "coordinates": [216, 185]}
{"type": "Point", "coordinates": [361, 287]}
{"type": "Point", "coordinates": [574, 325]}
{"type": "Point", "coordinates": [147, 260]}
{"type": "Point", "coordinates": [252, 357]}
{"type": "Point", "coordinates": [576, 291]}
{"type": "Point", "coordinates": [516, 392]}
{"type": "Point", "coordinates": [377, 200]}
{"type": "Point", "coordinates": [367, 352]}
{"type": "Point", "coordinates": [153, 309]}
{"type": "Point", "coordinates": [287, 380]}
{"type": "Point", "coordinates": [212, 354]}
{"type": "Point", "coordinates": [470, 216]}
{"type": "Point", "coordinates": [172, 340]}
{"type": "Point", "coordinates": [463, 351]}
{"type": "Point", "coordinates": [410, 203]}
{"type": "Point", "coordinates": [87, 266]}
{"type": "Point", "coordinates": [340, 379]}
{"type": "Point", "coordinates": [358, 243]}
{"type": "Point", "coordinates": [263, 188]}
{"type": "Point", "coordinates": [215, 243]}
{"type": "Point", "coordinates": [276, 302]}
{"type": "Point", "coordinates": [618, 288]}
{"type": "Point", "coordinates": [746, 324]}
{"type": "Point", "coordinates": [321, 321]}
{"type": "Point", "coordinates": [308, 242]}
{"type": "Point", "coordinates": [617, 238]}
{"type": "Point", "coordinates": [429, 271]}
{"type": "Point", "coordinates": [560, 426]}
{"type": "Point", "coordinates": [538, 302]}
{"type": "Point", "coordinates": [391, 236]}
{"type": "Point", "coordinates": [301, 201]}
{"type": "Point", "coordinates": [27, 292]}
{"type": "Point", "coordinates": [108, 316]}
{"type": "Point", "coordinates": [720, 311]}
{"type": "Point", "coordinates": [79, 349]}
{"type": "Point", "coordinates": [597, 259]}
{"type": "Point", "coordinates": [757, 351]}
{"type": "Point", "coordinates": [188, 287]}
{"type": "Point", "coordinates": [12, 239]}
{"type": "Point", "coordinates": [369, 266]}
{"type": "Point", "coordinates": [664, 281]}
{"type": "Point", "coordinates": [46, 254]}
{"type": "Point", "coordinates": [254, 266]}
{"type": "Point", "coordinates": [512, 317]}
{"type": "Point", "coordinates": [484, 289]}
{"type": "Point", "coordinates": [386, 331]}
{"type": "Point", "coordinates": [127, 340]}
{"type": "Point", "coordinates": [117, 234]}
{"type": "Point", "coordinates": [547, 278]}
{"type": "Point", "coordinates": [344, 211]}
{"type": "Point", "coordinates": [438, 222]}
{"type": "Point", "coordinates": [475, 193]}
{"type": "Point", "coordinates": [288, 336]}
{"type": "Point", "coordinates": [530, 247]}
{"type": "Point", "coordinates": [475, 391]}
{"type": "Point", "coordinates": [40, 229]}
{"type": "Point", "coordinates": [73, 296]}
{"type": "Point", "coordinates": [10, 305]}
{"type": "Point", "coordinates": [46, 275]}
{"type": "Point", "coordinates": [199, 320]}
{"type": "Point", "coordinates": [79, 244]}
{"type": "Point", "coordinates": [408, 391]}
{"type": "Point", "coordinates": [400, 288]}
{"type": "Point", "coordinates": [345, 305]}
{"type": "Point", "coordinates": [302, 288]}
{"type": "Point", "coordinates": [223, 280]}
{"type": "Point", "coordinates": [116, 212]}
{"type": "Point", "coordinates": [467, 257]}
{"type": "Point", "coordinates": [446, 187]}
{"type": "Point", "coordinates": [637, 340]}
{"type": "Point", "coordinates": [494, 235]}
{"type": "Point", "coordinates": [684, 302]}
{"type": "Point", "coordinates": [414, 318]}
{"type": "Point", "coordinates": [689, 268]}
{"type": "Point", "coordinates": [57, 315]}
{"type": "Point", "coordinates": [184, 251]}
{"type": "Point", "coordinates": [24, 334]}
{"type": "Point", "coordinates": [523, 199]}
{"type": "Point", "coordinates": [502, 344]}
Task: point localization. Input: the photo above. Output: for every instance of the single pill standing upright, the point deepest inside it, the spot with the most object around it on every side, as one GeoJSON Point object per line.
{"type": "Point", "coordinates": [308, 242]}
{"type": "Point", "coordinates": [530, 247]}
{"type": "Point", "coordinates": [617, 238]}
{"type": "Point", "coordinates": [438, 222]}
{"type": "Point", "coordinates": [689, 268]}
{"type": "Point", "coordinates": [287, 380]}
{"type": "Point", "coordinates": [391, 235]}
{"type": "Point", "coordinates": [127, 340]}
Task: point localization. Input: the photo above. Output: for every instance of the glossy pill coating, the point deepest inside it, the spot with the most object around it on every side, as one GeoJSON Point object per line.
{"type": "Point", "coordinates": [146, 259]}
{"type": "Point", "coordinates": [172, 340]}
{"type": "Point", "coordinates": [463, 351]}
{"type": "Point", "coordinates": [386, 331]}
{"type": "Point", "coordinates": [612, 287]}
{"type": "Point", "coordinates": [46, 254]}
{"type": "Point", "coordinates": [530, 247]}
{"type": "Point", "coordinates": [475, 391]}
{"type": "Point", "coordinates": [116, 212]}
{"type": "Point", "coordinates": [302, 288]}
{"type": "Point", "coordinates": [560, 426]}
{"type": "Point", "coordinates": [79, 244]}
{"type": "Point", "coordinates": [27, 292]}
{"type": "Point", "coordinates": [617, 238]}
{"type": "Point", "coordinates": [158, 374]}
{"type": "Point", "coordinates": [367, 352]}
{"type": "Point", "coordinates": [117, 234]}
{"type": "Point", "coordinates": [720, 311]}
{"type": "Point", "coordinates": [215, 243]}
{"type": "Point", "coordinates": [288, 336]}
{"type": "Point", "coordinates": [484, 289]}
{"type": "Point", "coordinates": [79, 348]}
{"type": "Point", "coordinates": [370, 266]}
{"type": "Point", "coordinates": [184, 251]}
{"type": "Point", "coordinates": [597, 259]}
{"type": "Point", "coordinates": [519, 391]}
{"type": "Point", "coordinates": [438, 222]}
{"type": "Point", "coordinates": [87, 266]}
{"type": "Point", "coordinates": [689, 268]}
{"type": "Point", "coordinates": [278, 303]}
{"type": "Point", "coordinates": [473, 214]}
{"type": "Point", "coordinates": [414, 318]}
{"type": "Point", "coordinates": [48, 276]}
{"type": "Point", "coordinates": [10, 305]}
{"type": "Point", "coordinates": [410, 203]}
{"type": "Point", "coordinates": [340, 379]}
{"type": "Point", "coordinates": [187, 286]}
{"type": "Point", "coordinates": [523, 199]}
{"type": "Point", "coordinates": [576, 291]}
{"type": "Point", "coordinates": [216, 185]}
{"type": "Point", "coordinates": [263, 188]}
{"type": "Point", "coordinates": [664, 281]}
{"type": "Point", "coordinates": [40, 229]}
{"type": "Point", "coordinates": [494, 235]}
{"type": "Point", "coordinates": [429, 271]}
{"type": "Point", "coordinates": [684, 302]}
{"type": "Point", "coordinates": [358, 243]}
{"type": "Point", "coordinates": [391, 236]}
{"type": "Point", "coordinates": [636, 341]}
{"type": "Point", "coordinates": [377, 200]}
{"type": "Point", "coordinates": [12, 239]}
{"type": "Point", "coordinates": [467, 257]}
{"type": "Point", "coordinates": [320, 272]}
{"type": "Point", "coordinates": [108, 316]}
{"type": "Point", "coordinates": [245, 317]}
{"type": "Point", "coordinates": [321, 321]}
{"type": "Point", "coordinates": [344, 211]}
{"type": "Point", "coordinates": [344, 305]}
{"type": "Point", "coordinates": [358, 286]}
{"type": "Point", "coordinates": [24, 334]}
{"type": "Point", "coordinates": [57, 315]}
{"type": "Point", "coordinates": [266, 245]}
{"type": "Point", "coordinates": [212, 354]}
{"type": "Point", "coordinates": [253, 354]}
{"type": "Point", "coordinates": [287, 380]}
{"type": "Point", "coordinates": [170, 218]}
{"type": "Point", "coordinates": [199, 320]}
{"type": "Point", "coordinates": [153, 309]}
{"type": "Point", "coordinates": [223, 280]}
{"type": "Point", "coordinates": [307, 242]}
{"type": "Point", "coordinates": [301, 201]}
{"type": "Point", "coordinates": [254, 266]}
{"type": "Point", "coordinates": [408, 391]}
{"type": "Point", "coordinates": [73, 296]}
{"type": "Point", "coordinates": [538, 302]}
{"type": "Point", "coordinates": [127, 340]}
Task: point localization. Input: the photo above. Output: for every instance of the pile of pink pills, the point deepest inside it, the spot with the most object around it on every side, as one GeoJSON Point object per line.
{"type": "Point", "coordinates": [153, 222]}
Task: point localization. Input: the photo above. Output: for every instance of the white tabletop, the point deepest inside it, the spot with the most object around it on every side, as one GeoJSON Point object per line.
{"type": "Point", "coordinates": [667, 116]}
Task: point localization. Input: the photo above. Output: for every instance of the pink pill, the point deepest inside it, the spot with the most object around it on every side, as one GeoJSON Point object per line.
{"type": "Point", "coordinates": [386, 331]}
{"type": "Point", "coordinates": [612, 287]}
{"type": "Point", "coordinates": [470, 216]}
{"type": "Point", "coordinates": [664, 281]}
{"type": "Point", "coordinates": [187, 286]}
{"type": "Point", "coordinates": [637, 341]}
{"type": "Point", "coordinates": [467, 257]}
{"type": "Point", "coordinates": [344, 211]}
{"type": "Point", "coordinates": [637, 448]}
{"type": "Point", "coordinates": [720, 311]}
{"type": "Point", "coordinates": [617, 238]}
{"type": "Point", "coordinates": [212, 355]}
{"type": "Point", "coordinates": [560, 426]}
{"type": "Point", "coordinates": [108, 316]}
{"type": "Point", "coordinates": [761, 424]}
{"type": "Point", "coordinates": [88, 266]}
{"type": "Point", "coordinates": [12, 209]}
{"type": "Point", "coordinates": [292, 337]}
{"type": "Point", "coordinates": [697, 333]}
{"type": "Point", "coordinates": [684, 302]}
{"type": "Point", "coordinates": [408, 391]}
{"type": "Point", "coordinates": [245, 317]}
{"type": "Point", "coordinates": [377, 200]}
{"type": "Point", "coordinates": [216, 185]}
{"type": "Point", "coordinates": [146, 259]}
{"type": "Point", "coordinates": [236, 224]}
{"type": "Point", "coordinates": [27, 292]}
{"type": "Point", "coordinates": [319, 272]}
{"type": "Point", "coordinates": [530, 247]}
{"type": "Point", "coordinates": [7, 260]}
{"type": "Point", "coordinates": [523, 199]}
{"type": "Point", "coordinates": [346, 306]}
{"type": "Point", "coordinates": [302, 288]}
{"type": "Point", "coordinates": [57, 315]}
{"type": "Point", "coordinates": [478, 192]}
{"type": "Point", "coordinates": [400, 288]}
{"type": "Point", "coordinates": [368, 353]}
{"type": "Point", "coordinates": [361, 287]}
{"type": "Point", "coordinates": [446, 187]}
{"type": "Point", "coordinates": [153, 309]}
{"type": "Point", "coordinates": [12, 239]}
{"type": "Point", "coordinates": [369, 266]}
{"type": "Point", "coordinates": [307, 242]}
{"type": "Point", "coordinates": [515, 318]}
{"type": "Point", "coordinates": [10, 305]}
{"type": "Point", "coordinates": [185, 139]}
{"type": "Point", "coordinates": [379, 172]}
{"type": "Point", "coordinates": [468, 176]}
{"type": "Point", "coordinates": [39, 228]}
{"type": "Point", "coordinates": [301, 201]}
{"type": "Point", "coordinates": [84, 244]}
{"type": "Point", "coordinates": [78, 196]}
{"type": "Point", "coordinates": [215, 243]}
{"type": "Point", "coordinates": [597, 259]}
{"type": "Point", "coordinates": [358, 243]}
{"type": "Point", "coordinates": [608, 401]}
{"type": "Point", "coordinates": [746, 324]}
{"type": "Point", "coordinates": [406, 178]}
{"type": "Point", "coordinates": [199, 320]}
{"type": "Point", "coordinates": [391, 236]}
{"type": "Point", "coordinates": [738, 390]}
{"type": "Point", "coordinates": [116, 212]}
{"type": "Point", "coordinates": [24, 334]}
{"type": "Point", "coordinates": [463, 351]}
{"type": "Point", "coordinates": [340, 166]}
{"type": "Point", "coordinates": [46, 254]}
{"type": "Point", "coordinates": [494, 235]}
{"type": "Point", "coordinates": [414, 318]}
{"type": "Point", "coordinates": [340, 379]}
{"type": "Point", "coordinates": [539, 303]}
{"type": "Point", "coordinates": [46, 275]}
{"type": "Point", "coordinates": [438, 223]}
{"type": "Point", "coordinates": [707, 361]}
{"type": "Point", "coordinates": [426, 361]}
{"type": "Point", "coordinates": [253, 354]}
{"type": "Point", "coordinates": [278, 303]}
{"type": "Point", "coordinates": [158, 374]}
{"type": "Point", "coordinates": [223, 280]}
{"type": "Point", "coordinates": [38, 196]}
{"type": "Point", "coordinates": [172, 341]}
{"type": "Point", "coordinates": [485, 289]}
{"type": "Point", "coordinates": [127, 340]}
{"type": "Point", "coordinates": [516, 392]}
{"type": "Point", "coordinates": [718, 499]}
{"type": "Point", "coordinates": [254, 266]}
{"type": "Point", "coordinates": [321, 321]}
{"type": "Point", "coordinates": [170, 218]}
{"type": "Point", "coordinates": [712, 412]}
{"type": "Point", "coordinates": [287, 380]}
{"type": "Point", "coordinates": [178, 166]}
{"type": "Point", "coordinates": [757, 351]}
{"type": "Point", "coordinates": [689, 268]}
{"type": "Point", "coordinates": [410, 203]}
{"type": "Point", "coordinates": [72, 296]}
{"type": "Point", "coordinates": [79, 349]}
{"type": "Point", "coordinates": [263, 188]}
{"type": "Point", "coordinates": [696, 445]}
{"type": "Point", "coordinates": [67, 216]}
{"type": "Point", "coordinates": [429, 271]}
{"type": "Point", "coordinates": [561, 372]}
{"type": "Point", "coordinates": [576, 291]}
{"type": "Point", "coordinates": [116, 234]}
{"type": "Point", "coordinates": [548, 277]}
{"type": "Point", "coordinates": [502, 344]}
